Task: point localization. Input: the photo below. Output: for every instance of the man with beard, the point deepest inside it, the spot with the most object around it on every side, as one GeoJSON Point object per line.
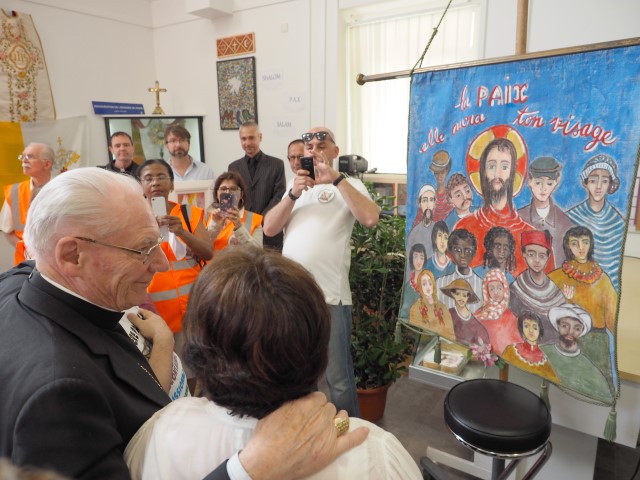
{"type": "Point", "coordinates": [460, 196]}
{"type": "Point", "coordinates": [573, 368]}
{"type": "Point", "coordinates": [421, 232]}
{"type": "Point", "coordinates": [178, 139]}
{"type": "Point", "coordinates": [497, 173]}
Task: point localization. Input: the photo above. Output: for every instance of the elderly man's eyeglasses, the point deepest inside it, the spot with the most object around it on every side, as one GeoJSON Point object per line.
{"type": "Point", "coordinates": [145, 255]}
{"type": "Point", "coordinates": [321, 136]}
{"type": "Point", "coordinates": [148, 180]}
{"type": "Point", "coordinates": [28, 156]}
{"type": "Point", "coordinates": [295, 157]}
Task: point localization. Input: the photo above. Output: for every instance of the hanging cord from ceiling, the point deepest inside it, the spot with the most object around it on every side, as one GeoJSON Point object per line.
{"type": "Point", "coordinates": [433, 35]}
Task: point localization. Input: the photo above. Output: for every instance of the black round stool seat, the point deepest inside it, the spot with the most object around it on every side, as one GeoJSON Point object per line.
{"type": "Point", "coordinates": [497, 417]}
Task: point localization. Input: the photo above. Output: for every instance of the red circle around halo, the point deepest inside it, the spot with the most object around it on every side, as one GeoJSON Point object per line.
{"type": "Point", "coordinates": [477, 146]}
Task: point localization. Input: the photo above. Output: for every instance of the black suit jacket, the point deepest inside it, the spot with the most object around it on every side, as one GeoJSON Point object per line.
{"type": "Point", "coordinates": [268, 183]}
{"type": "Point", "coordinates": [266, 188]}
{"type": "Point", "coordinates": [75, 387]}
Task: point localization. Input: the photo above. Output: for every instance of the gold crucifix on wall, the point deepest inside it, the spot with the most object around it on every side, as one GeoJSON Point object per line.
{"type": "Point", "coordinates": [158, 110]}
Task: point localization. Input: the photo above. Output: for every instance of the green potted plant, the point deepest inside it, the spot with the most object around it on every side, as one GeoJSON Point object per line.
{"type": "Point", "coordinates": [378, 346]}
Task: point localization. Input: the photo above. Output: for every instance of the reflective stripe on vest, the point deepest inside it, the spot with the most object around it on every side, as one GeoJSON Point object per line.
{"type": "Point", "coordinates": [183, 264]}
{"type": "Point", "coordinates": [169, 290]}
{"type": "Point", "coordinates": [171, 294]}
{"type": "Point", "coordinates": [250, 220]}
{"type": "Point", "coordinates": [18, 226]}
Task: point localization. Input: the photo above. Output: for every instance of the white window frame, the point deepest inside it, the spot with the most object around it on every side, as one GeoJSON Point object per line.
{"type": "Point", "coordinates": [382, 138]}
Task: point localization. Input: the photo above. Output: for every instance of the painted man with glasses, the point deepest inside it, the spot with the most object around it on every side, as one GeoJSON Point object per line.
{"type": "Point", "coordinates": [77, 387]}
{"type": "Point", "coordinates": [263, 175]}
{"type": "Point", "coordinates": [37, 161]}
{"type": "Point", "coordinates": [177, 140]}
{"type": "Point", "coordinates": [318, 217]}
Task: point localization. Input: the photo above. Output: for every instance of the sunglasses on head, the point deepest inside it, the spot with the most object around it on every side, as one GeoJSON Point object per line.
{"type": "Point", "coordinates": [321, 136]}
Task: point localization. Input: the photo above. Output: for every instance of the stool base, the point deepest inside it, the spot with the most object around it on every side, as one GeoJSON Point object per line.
{"type": "Point", "coordinates": [431, 470]}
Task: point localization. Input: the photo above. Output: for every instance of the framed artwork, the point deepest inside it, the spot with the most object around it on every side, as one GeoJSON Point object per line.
{"type": "Point", "coordinates": [540, 166]}
{"type": "Point", "coordinates": [147, 133]}
{"type": "Point", "coordinates": [237, 92]}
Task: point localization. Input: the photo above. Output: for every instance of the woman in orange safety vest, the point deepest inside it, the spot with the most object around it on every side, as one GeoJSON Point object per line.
{"type": "Point", "coordinates": [186, 244]}
{"type": "Point", "coordinates": [229, 222]}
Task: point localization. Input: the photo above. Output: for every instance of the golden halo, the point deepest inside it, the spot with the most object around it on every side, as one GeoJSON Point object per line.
{"type": "Point", "coordinates": [477, 146]}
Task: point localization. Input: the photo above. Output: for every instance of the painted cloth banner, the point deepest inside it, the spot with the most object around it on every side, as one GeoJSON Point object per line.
{"type": "Point", "coordinates": [520, 176]}
{"type": "Point", "coordinates": [25, 90]}
{"type": "Point", "coordinates": [67, 137]}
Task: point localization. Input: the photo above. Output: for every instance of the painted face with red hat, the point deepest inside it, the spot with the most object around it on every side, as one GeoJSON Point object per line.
{"type": "Point", "coordinates": [536, 249]}
{"type": "Point", "coordinates": [536, 257]}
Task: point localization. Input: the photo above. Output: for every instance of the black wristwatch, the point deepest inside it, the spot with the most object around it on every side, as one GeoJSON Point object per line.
{"type": "Point", "coordinates": [292, 196]}
{"type": "Point", "coordinates": [341, 177]}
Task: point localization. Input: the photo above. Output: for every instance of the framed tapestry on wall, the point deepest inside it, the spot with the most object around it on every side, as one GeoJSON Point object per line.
{"type": "Point", "coordinates": [519, 185]}
{"type": "Point", "coordinates": [237, 92]}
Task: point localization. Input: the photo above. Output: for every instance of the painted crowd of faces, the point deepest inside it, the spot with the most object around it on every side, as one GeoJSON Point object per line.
{"type": "Point", "coordinates": [470, 279]}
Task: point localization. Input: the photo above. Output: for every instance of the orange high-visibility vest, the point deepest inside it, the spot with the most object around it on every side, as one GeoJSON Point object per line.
{"type": "Point", "coordinates": [18, 197]}
{"type": "Point", "coordinates": [169, 290]}
{"type": "Point", "coordinates": [254, 220]}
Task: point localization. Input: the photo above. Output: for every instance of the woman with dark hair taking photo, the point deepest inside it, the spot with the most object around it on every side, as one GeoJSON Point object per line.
{"type": "Point", "coordinates": [230, 223]}
{"type": "Point", "coordinates": [257, 331]}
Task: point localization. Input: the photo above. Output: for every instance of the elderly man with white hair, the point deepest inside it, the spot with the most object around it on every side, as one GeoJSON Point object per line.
{"type": "Point", "coordinates": [574, 369]}
{"type": "Point", "coordinates": [76, 387]}
{"type": "Point", "coordinates": [37, 162]}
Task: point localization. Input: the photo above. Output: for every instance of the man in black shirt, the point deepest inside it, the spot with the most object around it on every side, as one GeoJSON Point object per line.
{"type": "Point", "coordinates": [121, 147]}
{"type": "Point", "coordinates": [263, 175]}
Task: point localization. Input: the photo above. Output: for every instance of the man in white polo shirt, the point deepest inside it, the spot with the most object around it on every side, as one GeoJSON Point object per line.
{"type": "Point", "coordinates": [318, 217]}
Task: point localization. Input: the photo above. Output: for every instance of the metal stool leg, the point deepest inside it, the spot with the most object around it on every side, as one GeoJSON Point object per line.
{"type": "Point", "coordinates": [431, 470]}
{"type": "Point", "coordinates": [540, 462]}
{"type": "Point", "coordinates": [497, 467]}
{"type": "Point", "coordinates": [532, 472]}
